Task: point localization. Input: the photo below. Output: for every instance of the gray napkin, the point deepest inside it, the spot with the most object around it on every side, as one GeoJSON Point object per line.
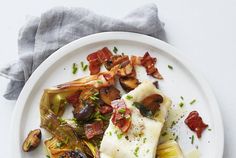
{"type": "Point", "coordinates": [42, 36]}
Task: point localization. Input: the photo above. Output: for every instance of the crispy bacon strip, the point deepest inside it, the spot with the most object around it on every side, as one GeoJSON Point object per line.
{"type": "Point", "coordinates": [121, 116]}
{"type": "Point", "coordinates": [97, 58]}
{"type": "Point", "coordinates": [149, 63]}
{"type": "Point", "coordinates": [195, 123]}
{"type": "Point", "coordinates": [93, 129]}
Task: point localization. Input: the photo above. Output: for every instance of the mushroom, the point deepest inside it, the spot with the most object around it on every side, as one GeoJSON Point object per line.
{"type": "Point", "coordinates": [84, 113]}
{"type": "Point", "coordinates": [128, 83]}
{"type": "Point", "coordinates": [108, 94]}
{"type": "Point", "coordinates": [32, 141]}
{"type": "Point", "coordinates": [152, 102]}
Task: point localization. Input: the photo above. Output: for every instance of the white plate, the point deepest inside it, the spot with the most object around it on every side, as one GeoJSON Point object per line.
{"type": "Point", "coordinates": [183, 80]}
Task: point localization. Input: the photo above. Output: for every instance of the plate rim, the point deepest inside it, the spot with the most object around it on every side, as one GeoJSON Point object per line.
{"type": "Point", "coordinates": [105, 36]}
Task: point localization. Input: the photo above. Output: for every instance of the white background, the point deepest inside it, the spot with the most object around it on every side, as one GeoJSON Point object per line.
{"type": "Point", "coordinates": [205, 31]}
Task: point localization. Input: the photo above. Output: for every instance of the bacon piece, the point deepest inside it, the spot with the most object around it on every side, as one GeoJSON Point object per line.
{"type": "Point", "coordinates": [149, 63]}
{"type": "Point", "coordinates": [195, 123]}
{"type": "Point", "coordinates": [74, 99]}
{"type": "Point", "coordinates": [97, 58]}
{"type": "Point", "coordinates": [121, 115]}
{"type": "Point", "coordinates": [93, 129]}
{"type": "Point", "coordinates": [105, 109]}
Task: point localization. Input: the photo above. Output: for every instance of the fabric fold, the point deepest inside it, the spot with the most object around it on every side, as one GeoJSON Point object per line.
{"type": "Point", "coordinates": [42, 36]}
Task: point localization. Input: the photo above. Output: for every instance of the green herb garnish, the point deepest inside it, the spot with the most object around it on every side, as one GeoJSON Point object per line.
{"type": "Point", "coordinates": [170, 67]}
{"type": "Point", "coordinates": [99, 82]}
{"type": "Point", "coordinates": [176, 138]}
{"type": "Point", "coordinates": [144, 140]}
{"type": "Point", "coordinates": [47, 156]}
{"type": "Point", "coordinates": [115, 50]}
{"type": "Point", "coordinates": [129, 97]}
{"type": "Point", "coordinates": [82, 64]}
{"type": "Point", "coordinates": [121, 110]}
{"type": "Point", "coordinates": [136, 151]}
{"type": "Point", "coordinates": [181, 97]}
{"type": "Point", "coordinates": [192, 139]}
{"type": "Point", "coordinates": [119, 135]}
{"type": "Point", "coordinates": [181, 104]}
{"type": "Point", "coordinates": [74, 68]}
{"type": "Point", "coordinates": [192, 102]}
{"type": "Point", "coordinates": [85, 67]}
{"type": "Point", "coordinates": [110, 134]}
{"type": "Point", "coordinates": [209, 129]}
{"type": "Point", "coordinates": [62, 121]}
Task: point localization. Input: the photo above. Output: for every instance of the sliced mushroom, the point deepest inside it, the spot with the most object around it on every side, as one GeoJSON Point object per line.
{"type": "Point", "coordinates": [32, 141]}
{"type": "Point", "coordinates": [84, 113]}
{"type": "Point", "coordinates": [152, 102]}
{"type": "Point", "coordinates": [108, 94]}
{"type": "Point", "coordinates": [128, 83]}
{"type": "Point", "coordinates": [115, 60]}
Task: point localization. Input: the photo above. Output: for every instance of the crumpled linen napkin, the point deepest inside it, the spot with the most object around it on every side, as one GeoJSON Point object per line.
{"type": "Point", "coordinates": [42, 36]}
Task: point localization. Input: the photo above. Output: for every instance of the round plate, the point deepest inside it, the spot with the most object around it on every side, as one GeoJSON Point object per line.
{"type": "Point", "coordinates": [183, 80]}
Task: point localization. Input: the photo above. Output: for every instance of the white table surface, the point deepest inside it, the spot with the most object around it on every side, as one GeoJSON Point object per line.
{"type": "Point", "coordinates": [205, 31]}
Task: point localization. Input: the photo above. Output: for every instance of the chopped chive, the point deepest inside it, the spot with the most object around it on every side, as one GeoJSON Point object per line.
{"type": "Point", "coordinates": [47, 156]}
{"type": "Point", "coordinates": [119, 135]}
{"type": "Point", "coordinates": [122, 111]}
{"type": "Point", "coordinates": [144, 140]}
{"type": "Point", "coordinates": [176, 138]}
{"type": "Point", "coordinates": [94, 97]}
{"type": "Point", "coordinates": [82, 64]}
{"type": "Point", "coordinates": [181, 97]}
{"type": "Point", "coordinates": [181, 104]}
{"type": "Point", "coordinates": [115, 50]}
{"type": "Point", "coordinates": [209, 129]}
{"type": "Point", "coordinates": [192, 102]}
{"type": "Point", "coordinates": [109, 133]}
{"type": "Point", "coordinates": [136, 151]}
{"type": "Point", "coordinates": [85, 67]}
{"type": "Point", "coordinates": [170, 67]}
{"type": "Point", "coordinates": [62, 121]}
{"type": "Point", "coordinates": [192, 139]}
{"type": "Point", "coordinates": [99, 82]}
{"type": "Point", "coordinates": [129, 97]}
{"type": "Point", "coordinates": [74, 68]}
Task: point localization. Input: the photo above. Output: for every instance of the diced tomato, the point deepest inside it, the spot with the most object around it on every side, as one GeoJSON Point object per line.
{"type": "Point", "coordinates": [105, 109]}
{"type": "Point", "coordinates": [121, 115]}
{"type": "Point", "coordinates": [195, 123]}
{"type": "Point", "coordinates": [93, 129]}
